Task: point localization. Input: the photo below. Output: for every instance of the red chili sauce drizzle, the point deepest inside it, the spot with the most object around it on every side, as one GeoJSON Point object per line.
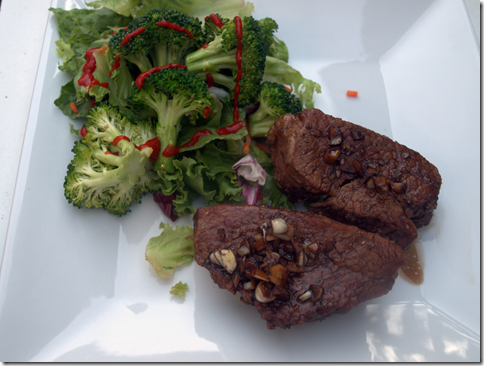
{"type": "Point", "coordinates": [119, 138]}
{"type": "Point", "coordinates": [87, 78]}
{"type": "Point", "coordinates": [206, 112]}
{"type": "Point", "coordinates": [237, 125]}
{"type": "Point", "coordinates": [173, 150]}
{"type": "Point", "coordinates": [169, 25]}
{"type": "Point", "coordinates": [140, 80]}
{"type": "Point", "coordinates": [111, 153]}
{"type": "Point", "coordinates": [209, 80]}
{"type": "Point", "coordinates": [83, 131]}
{"type": "Point", "coordinates": [155, 144]}
{"type": "Point", "coordinates": [215, 20]}
{"type": "Point", "coordinates": [134, 33]}
{"type": "Point", "coordinates": [115, 66]}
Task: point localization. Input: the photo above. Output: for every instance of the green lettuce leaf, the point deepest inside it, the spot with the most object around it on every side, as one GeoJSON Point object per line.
{"type": "Point", "coordinates": [172, 248]}
{"type": "Point", "coordinates": [179, 289]}
{"type": "Point", "coordinates": [206, 172]}
{"type": "Point", "coordinates": [196, 8]}
{"type": "Point", "coordinates": [122, 7]}
{"type": "Point", "coordinates": [69, 95]}
{"type": "Point", "coordinates": [273, 195]}
{"type": "Point", "coordinates": [79, 28]}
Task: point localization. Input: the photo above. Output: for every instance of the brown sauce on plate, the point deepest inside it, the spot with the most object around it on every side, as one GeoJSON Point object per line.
{"type": "Point", "coordinates": [413, 271]}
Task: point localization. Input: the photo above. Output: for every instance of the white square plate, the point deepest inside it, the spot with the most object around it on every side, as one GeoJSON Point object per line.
{"type": "Point", "coordinates": [74, 284]}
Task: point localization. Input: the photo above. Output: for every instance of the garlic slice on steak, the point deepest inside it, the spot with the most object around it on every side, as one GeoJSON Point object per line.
{"type": "Point", "coordinates": [224, 258]}
{"type": "Point", "coordinates": [282, 229]}
{"type": "Point", "coordinates": [263, 293]}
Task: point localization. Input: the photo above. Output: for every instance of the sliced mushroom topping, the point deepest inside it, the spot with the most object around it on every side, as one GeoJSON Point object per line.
{"type": "Point", "coordinates": [305, 296]}
{"type": "Point", "coordinates": [381, 183]}
{"type": "Point", "coordinates": [370, 183]}
{"type": "Point", "coordinates": [228, 260]}
{"type": "Point", "coordinates": [310, 248]}
{"type": "Point", "coordinates": [357, 134]}
{"type": "Point", "coordinates": [331, 156]}
{"type": "Point", "coordinates": [214, 259]}
{"type": "Point", "coordinates": [259, 274]}
{"type": "Point", "coordinates": [285, 229]}
{"type": "Point", "coordinates": [278, 275]}
{"type": "Point", "coordinates": [358, 168]}
{"type": "Point", "coordinates": [224, 258]}
{"type": "Point", "coordinates": [279, 226]}
{"type": "Point", "coordinates": [292, 267]}
{"type": "Point", "coordinates": [263, 293]}
{"type": "Point", "coordinates": [301, 258]}
{"type": "Point", "coordinates": [259, 245]}
{"type": "Point", "coordinates": [316, 291]}
{"type": "Point", "coordinates": [270, 237]}
{"type": "Point", "coordinates": [263, 227]}
{"type": "Point", "coordinates": [313, 248]}
{"type": "Point", "coordinates": [243, 251]}
{"type": "Point", "coordinates": [398, 187]}
{"type": "Point", "coordinates": [250, 285]}
{"type": "Point", "coordinates": [336, 139]}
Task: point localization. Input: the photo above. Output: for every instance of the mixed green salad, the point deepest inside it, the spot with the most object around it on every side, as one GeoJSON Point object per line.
{"type": "Point", "coordinates": [173, 98]}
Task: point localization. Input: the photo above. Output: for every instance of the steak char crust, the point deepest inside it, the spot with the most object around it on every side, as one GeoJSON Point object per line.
{"type": "Point", "coordinates": [353, 171]}
{"type": "Point", "coordinates": [319, 267]}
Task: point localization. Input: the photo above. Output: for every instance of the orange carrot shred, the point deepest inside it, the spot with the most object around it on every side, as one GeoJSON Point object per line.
{"type": "Point", "coordinates": [288, 88]}
{"type": "Point", "coordinates": [352, 93]}
{"type": "Point", "coordinates": [248, 140]}
{"type": "Point", "coordinates": [263, 147]}
{"type": "Point", "coordinates": [74, 108]}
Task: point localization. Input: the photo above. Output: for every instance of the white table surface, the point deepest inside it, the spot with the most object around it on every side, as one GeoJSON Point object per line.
{"type": "Point", "coordinates": [22, 26]}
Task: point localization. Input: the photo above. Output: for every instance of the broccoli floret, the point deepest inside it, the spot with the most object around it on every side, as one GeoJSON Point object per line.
{"type": "Point", "coordinates": [280, 72]}
{"type": "Point", "coordinates": [102, 175]}
{"type": "Point", "coordinates": [220, 61]}
{"type": "Point", "coordinates": [172, 93]}
{"type": "Point", "coordinates": [105, 123]}
{"type": "Point", "coordinates": [275, 101]}
{"type": "Point", "coordinates": [158, 38]}
{"type": "Point", "coordinates": [275, 47]}
{"type": "Point", "coordinates": [212, 25]}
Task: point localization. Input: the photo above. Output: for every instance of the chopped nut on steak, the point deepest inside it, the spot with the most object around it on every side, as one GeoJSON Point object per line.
{"type": "Point", "coordinates": [323, 268]}
{"type": "Point", "coordinates": [361, 174]}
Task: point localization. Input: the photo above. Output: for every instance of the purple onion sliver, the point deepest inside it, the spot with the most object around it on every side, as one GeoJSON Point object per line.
{"type": "Point", "coordinates": [250, 193]}
{"type": "Point", "coordinates": [165, 204]}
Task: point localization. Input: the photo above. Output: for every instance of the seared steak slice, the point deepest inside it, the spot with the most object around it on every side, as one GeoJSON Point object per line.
{"type": "Point", "coordinates": [380, 213]}
{"type": "Point", "coordinates": [311, 268]}
{"type": "Point", "coordinates": [316, 154]}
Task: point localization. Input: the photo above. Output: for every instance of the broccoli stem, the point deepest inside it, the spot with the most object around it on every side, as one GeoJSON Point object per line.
{"type": "Point", "coordinates": [98, 180]}
{"type": "Point", "coordinates": [260, 127]}
{"type": "Point", "coordinates": [219, 79]}
{"type": "Point", "coordinates": [214, 63]}
{"type": "Point", "coordinates": [140, 60]}
{"type": "Point", "coordinates": [162, 55]}
{"type": "Point", "coordinates": [169, 113]}
{"type": "Point", "coordinates": [260, 121]}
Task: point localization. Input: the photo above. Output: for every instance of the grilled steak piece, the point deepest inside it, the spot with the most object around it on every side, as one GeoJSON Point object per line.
{"type": "Point", "coordinates": [293, 266]}
{"type": "Point", "coordinates": [356, 204]}
{"type": "Point", "coordinates": [316, 155]}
